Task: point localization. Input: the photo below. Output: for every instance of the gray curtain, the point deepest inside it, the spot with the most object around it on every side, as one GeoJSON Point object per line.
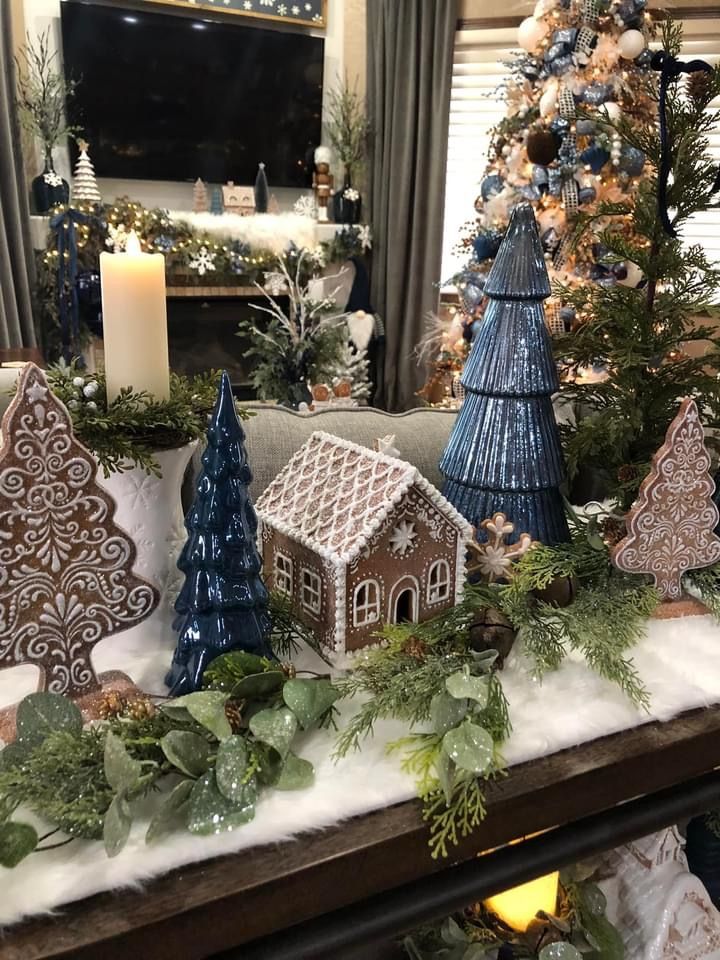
{"type": "Point", "coordinates": [16, 253]}
{"type": "Point", "coordinates": [410, 55]}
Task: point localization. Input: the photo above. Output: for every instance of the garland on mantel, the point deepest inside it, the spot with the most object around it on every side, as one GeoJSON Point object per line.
{"type": "Point", "coordinates": [193, 256]}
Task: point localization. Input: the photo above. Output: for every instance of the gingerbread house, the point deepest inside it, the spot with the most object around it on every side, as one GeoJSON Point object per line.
{"type": "Point", "coordinates": [357, 538]}
{"type": "Point", "coordinates": [239, 200]}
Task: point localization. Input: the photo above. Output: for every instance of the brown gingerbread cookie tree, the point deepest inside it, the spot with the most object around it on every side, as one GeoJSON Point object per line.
{"type": "Point", "coordinates": [66, 577]}
{"type": "Point", "coordinates": [671, 524]}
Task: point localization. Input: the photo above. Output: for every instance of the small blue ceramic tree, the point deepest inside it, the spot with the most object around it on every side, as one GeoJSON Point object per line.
{"type": "Point", "coordinates": [504, 452]}
{"type": "Point", "coordinates": [223, 602]}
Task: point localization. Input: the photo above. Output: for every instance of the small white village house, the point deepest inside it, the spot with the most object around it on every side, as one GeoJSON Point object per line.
{"type": "Point", "coordinates": [357, 538]}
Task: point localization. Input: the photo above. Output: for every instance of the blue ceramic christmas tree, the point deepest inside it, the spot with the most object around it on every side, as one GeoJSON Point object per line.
{"type": "Point", "coordinates": [223, 602]}
{"type": "Point", "coordinates": [504, 452]}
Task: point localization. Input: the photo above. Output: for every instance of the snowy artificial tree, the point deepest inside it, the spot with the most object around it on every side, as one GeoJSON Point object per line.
{"type": "Point", "coordinates": [85, 188]}
{"type": "Point", "coordinates": [503, 455]}
{"type": "Point", "coordinates": [222, 605]}
{"type": "Point", "coordinates": [350, 365]}
{"type": "Point", "coordinates": [200, 199]}
{"type": "Point", "coordinates": [582, 65]}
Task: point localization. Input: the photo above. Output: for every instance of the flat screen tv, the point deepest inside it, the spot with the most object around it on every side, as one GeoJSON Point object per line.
{"type": "Point", "coordinates": [170, 97]}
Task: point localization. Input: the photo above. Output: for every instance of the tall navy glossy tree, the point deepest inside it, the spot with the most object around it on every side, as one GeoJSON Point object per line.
{"type": "Point", "coordinates": [223, 604]}
{"type": "Point", "coordinates": [504, 451]}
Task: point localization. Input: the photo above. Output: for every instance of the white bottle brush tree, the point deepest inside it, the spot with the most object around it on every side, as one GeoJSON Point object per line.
{"type": "Point", "coordinates": [85, 188]}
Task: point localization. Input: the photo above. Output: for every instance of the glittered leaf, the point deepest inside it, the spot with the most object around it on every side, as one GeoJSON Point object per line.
{"type": "Point", "coordinates": [446, 712]}
{"type": "Point", "coordinates": [463, 685]}
{"type": "Point", "coordinates": [451, 932]}
{"type": "Point", "coordinates": [211, 812]}
{"type": "Point", "coordinates": [14, 754]}
{"type": "Point", "coordinates": [231, 768]}
{"type": "Point", "coordinates": [276, 728]}
{"type": "Point", "coordinates": [116, 826]}
{"type": "Point", "coordinates": [208, 708]}
{"type": "Point", "coordinates": [121, 771]}
{"type": "Point", "coordinates": [296, 774]}
{"type": "Point", "coordinates": [445, 769]}
{"type": "Point", "coordinates": [309, 699]}
{"type": "Point", "coordinates": [17, 840]}
{"type": "Point", "coordinates": [187, 751]}
{"type": "Point", "coordinates": [559, 951]}
{"type": "Point", "coordinates": [40, 714]}
{"type": "Point", "coordinates": [470, 747]}
{"type": "Point", "coordinates": [173, 814]}
{"type": "Point", "coordinates": [257, 685]}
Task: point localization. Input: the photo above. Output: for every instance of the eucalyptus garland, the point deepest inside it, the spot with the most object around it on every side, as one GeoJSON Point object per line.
{"type": "Point", "coordinates": [125, 433]}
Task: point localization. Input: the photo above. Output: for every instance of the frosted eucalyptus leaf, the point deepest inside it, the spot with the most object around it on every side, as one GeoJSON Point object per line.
{"type": "Point", "coordinates": [211, 812]}
{"type": "Point", "coordinates": [173, 814]}
{"type": "Point", "coordinates": [231, 768]}
{"type": "Point", "coordinates": [41, 714]}
{"type": "Point", "coordinates": [559, 951]}
{"type": "Point", "coordinates": [14, 754]}
{"type": "Point", "coordinates": [469, 746]}
{"type": "Point", "coordinates": [121, 771]}
{"type": "Point", "coordinates": [208, 708]}
{"type": "Point", "coordinates": [463, 685]}
{"type": "Point", "coordinates": [484, 658]}
{"type": "Point", "coordinates": [309, 699]}
{"type": "Point", "coordinates": [451, 932]}
{"type": "Point", "coordinates": [258, 685]}
{"type": "Point", "coordinates": [116, 825]}
{"type": "Point", "coordinates": [296, 774]}
{"type": "Point", "coordinates": [17, 840]}
{"type": "Point", "coordinates": [276, 728]}
{"type": "Point", "coordinates": [446, 712]}
{"type": "Point", "coordinates": [187, 751]}
{"type": "Point", "coordinates": [594, 900]}
{"type": "Point", "coordinates": [445, 769]}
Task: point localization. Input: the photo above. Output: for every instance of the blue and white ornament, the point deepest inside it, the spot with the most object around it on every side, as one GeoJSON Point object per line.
{"type": "Point", "coordinates": [491, 186]}
{"type": "Point", "coordinates": [632, 160]}
{"type": "Point", "coordinates": [594, 157]}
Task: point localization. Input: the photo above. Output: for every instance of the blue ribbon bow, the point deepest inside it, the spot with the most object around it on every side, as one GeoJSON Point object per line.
{"type": "Point", "coordinates": [64, 226]}
{"type": "Point", "coordinates": [670, 68]}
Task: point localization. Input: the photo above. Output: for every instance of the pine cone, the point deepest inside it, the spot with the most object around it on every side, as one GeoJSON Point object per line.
{"type": "Point", "coordinates": [626, 473]}
{"type": "Point", "coordinates": [415, 647]}
{"type": "Point", "coordinates": [140, 709]}
{"type": "Point", "coordinates": [112, 704]}
{"type": "Point", "coordinates": [234, 714]}
{"type": "Point", "coordinates": [698, 87]}
{"type": "Point", "coordinates": [613, 530]}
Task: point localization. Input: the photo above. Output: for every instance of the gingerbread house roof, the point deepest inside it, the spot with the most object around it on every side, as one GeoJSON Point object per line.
{"type": "Point", "coordinates": [333, 496]}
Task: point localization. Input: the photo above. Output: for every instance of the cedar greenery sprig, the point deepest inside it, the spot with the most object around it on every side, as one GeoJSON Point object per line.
{"type": "Point", "coordinates": [125, 433]}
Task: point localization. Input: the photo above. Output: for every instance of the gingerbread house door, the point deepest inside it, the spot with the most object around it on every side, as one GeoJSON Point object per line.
{"type": "Point", "coordinates": [403, 606]}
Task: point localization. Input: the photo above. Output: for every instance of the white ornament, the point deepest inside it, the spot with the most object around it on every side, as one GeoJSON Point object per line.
{"type": "Point", "coordinates": [530, 33]}
{"type": "Point", "coordinates": [612, 110]}
{"type": "Point", "coordinates": [631, 44]}
{"type": "Point", "coordinates": [275, 283]}
{"type": "Point", "coordinates": [306, 206]}
{"type": "Point", "coordinates": [365, 236]}
{"type": "Point", "coordinates": [548, 101]}
{"type": "Point", "coordinates": [634, 275]}
{"type": "Point", "coordinates": [117, 238]}
{"type": "Point", "coordinates": [402, 537]}
{"type": "Point", "coordinates": [52, 179]}
{"type": "Point", "coordinates": [203, 261]}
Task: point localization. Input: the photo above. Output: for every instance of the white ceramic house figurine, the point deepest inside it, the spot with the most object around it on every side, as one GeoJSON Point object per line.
{"type": "Point", "coordinates": [661, 909]}
{"type": "Point", "coordinates": [239, 200]}
{"type": "Point", "coordinates": [357, 538]}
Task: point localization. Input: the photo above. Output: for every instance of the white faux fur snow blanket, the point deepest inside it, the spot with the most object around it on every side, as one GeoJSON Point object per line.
{"type": "Point", "coordinates": [677, 660]}
{"type": "Point", "coordinates": [263, 231]}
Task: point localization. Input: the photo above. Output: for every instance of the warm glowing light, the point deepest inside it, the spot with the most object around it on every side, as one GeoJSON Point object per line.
{"type": "Point", "coordinates": [517, 907]}
{"type": "Point", "coordinates": [133, 244]}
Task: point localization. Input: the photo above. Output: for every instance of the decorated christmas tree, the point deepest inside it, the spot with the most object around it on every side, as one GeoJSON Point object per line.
{"type": "Point", "coordinates": [583, 64]}
{"type": "Point", "coordinates": [671, 524]}
{"type": "Point", "coordinates": [85, 188]}
{"type": "Point", "coordinates": [650, 338]}
{"type": "Point", "coordinates": [67, 579]}
{"type": "Point", "coordinates": [222, 605]}
{"type": "Point", "coordinates": [200, 199]}
{"type": "Point", "coordinates": [503, 455]}
{"type": "Point", "coordinates": [261, 190]}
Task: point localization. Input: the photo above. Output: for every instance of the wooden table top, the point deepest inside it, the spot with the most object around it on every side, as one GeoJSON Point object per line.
{"type": "Point", "coordinates": [219, 904]}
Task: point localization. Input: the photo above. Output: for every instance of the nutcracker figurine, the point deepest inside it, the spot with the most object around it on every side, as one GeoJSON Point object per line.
{"type": "Point", "coordinates": [323, 182]}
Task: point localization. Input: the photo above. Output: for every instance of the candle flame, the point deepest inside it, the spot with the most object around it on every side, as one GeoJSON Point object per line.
{"type": "Point", "coordinates": [133, 244]}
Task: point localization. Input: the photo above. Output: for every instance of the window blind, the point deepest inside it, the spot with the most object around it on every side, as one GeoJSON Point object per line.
{"type": "Point", "coordinates": [477, 104]}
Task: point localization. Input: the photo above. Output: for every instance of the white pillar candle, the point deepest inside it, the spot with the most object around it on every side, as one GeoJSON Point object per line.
{"type": "Point", "coordinates": [135, 321]}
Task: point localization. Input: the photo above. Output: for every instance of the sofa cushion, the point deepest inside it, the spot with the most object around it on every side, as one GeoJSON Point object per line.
{"type": "Point", "coordinates": [275, 433]}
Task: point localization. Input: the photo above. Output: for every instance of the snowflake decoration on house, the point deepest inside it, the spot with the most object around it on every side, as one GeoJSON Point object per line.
{"type": "Point", "coordinates": [275, 283]}
{"type": "Point", "coordinates": [365, 236]}
{"type": "Point", "coordinates": [203, 261]}
{"type": "Point", "coordinates": [402, 538]}
{"type": "Point", "coordinates": [117, 238]}
{"type": "Point", "coordinates": [52, 179]}
{"type": "Point", "coordinates": [306, 206]}
{"type": "Point", "coordinates": [282, 9]}
{"type": "Point", "coordinates": [495, 557]}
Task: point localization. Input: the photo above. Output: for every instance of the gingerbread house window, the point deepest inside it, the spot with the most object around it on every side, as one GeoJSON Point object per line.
{"type": "Point", "coordinates": [438, 587]}
{"type": "Point", "coordinates": [283, 574]}
{"type": "Point", "coordinates": [311, 591]}
{"type": "Point", "coordinates": [366, 603]}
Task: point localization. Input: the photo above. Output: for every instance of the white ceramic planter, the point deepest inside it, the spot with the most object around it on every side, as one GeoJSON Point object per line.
{"type": "Point", "coordinates": [149, 508]}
